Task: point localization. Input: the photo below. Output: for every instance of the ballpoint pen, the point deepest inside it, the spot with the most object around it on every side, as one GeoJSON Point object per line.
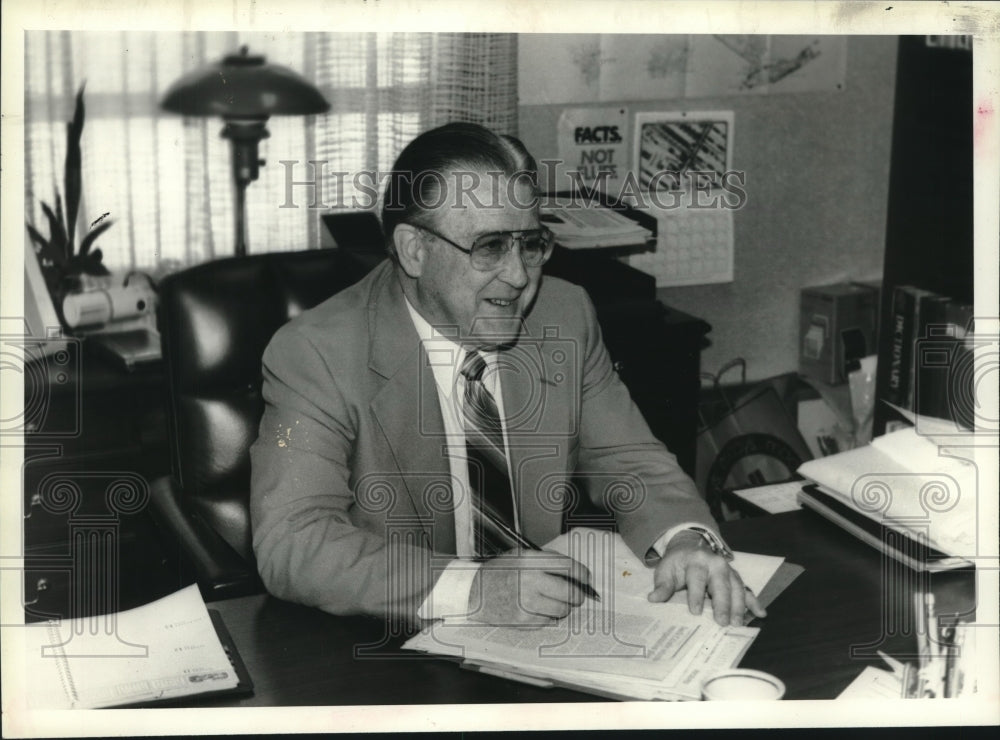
{"type": "Point", "coordinates": [923, 642]}
{"type": "Point", "coordinates": [962, 678]}
{"type": "Point", "coordinates": [517, 538]}
{"type": "Point", "coordinates": [948, 638]}
{"type": "Point", "coordinates": [938, 663]}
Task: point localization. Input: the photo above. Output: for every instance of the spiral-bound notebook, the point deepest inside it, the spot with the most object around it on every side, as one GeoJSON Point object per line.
{"type": "Point", "coordinates": [169, 650]}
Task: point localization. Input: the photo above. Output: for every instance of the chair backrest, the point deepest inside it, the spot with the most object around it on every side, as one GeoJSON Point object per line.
{"type": "Point", "coordinates": [215, 321]}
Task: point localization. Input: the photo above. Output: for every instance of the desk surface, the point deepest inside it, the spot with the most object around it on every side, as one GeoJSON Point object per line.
{"type": "Point", "coordinates": [847, 601]}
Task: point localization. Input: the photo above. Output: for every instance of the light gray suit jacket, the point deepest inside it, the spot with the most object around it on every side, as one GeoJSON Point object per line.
{"type": "Point", "coordinates": [351, 501]}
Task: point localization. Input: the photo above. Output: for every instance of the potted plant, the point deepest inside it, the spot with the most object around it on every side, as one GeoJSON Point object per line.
{"type": "Point", "coordinates": [65, 266]}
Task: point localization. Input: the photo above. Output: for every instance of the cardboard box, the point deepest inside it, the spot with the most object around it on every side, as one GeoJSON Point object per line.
{"type": "Point", "coordinates": [876, 286]}
{"type": "Point", "coordinates": [836, 327]}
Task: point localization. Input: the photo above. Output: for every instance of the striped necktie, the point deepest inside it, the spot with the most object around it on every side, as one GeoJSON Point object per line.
{"type": "Point", "coordinates": [488, 470]}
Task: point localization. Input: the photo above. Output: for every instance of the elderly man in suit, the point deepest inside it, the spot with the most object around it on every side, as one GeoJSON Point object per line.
{"type": "Point", "coordinates": [421, 427]}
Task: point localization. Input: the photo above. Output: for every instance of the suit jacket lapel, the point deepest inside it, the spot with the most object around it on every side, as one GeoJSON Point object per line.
{"type": "Point", "coordinates": [409, 413]}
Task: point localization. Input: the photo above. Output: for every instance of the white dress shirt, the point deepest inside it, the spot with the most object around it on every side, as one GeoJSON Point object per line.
{"type": "Point", "coordinates": [450, 595]}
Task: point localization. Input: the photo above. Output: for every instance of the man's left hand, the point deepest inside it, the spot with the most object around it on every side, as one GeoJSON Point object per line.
{"type": "Point", "coordinates": [689, 564]}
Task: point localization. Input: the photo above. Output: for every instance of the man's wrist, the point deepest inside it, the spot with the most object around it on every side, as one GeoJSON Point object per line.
{"type": "Point", "coordinates": [695, 534]}
{"type": "Point", "coordinates": [712, 541]}
{"type": "Point", "coordinates": [687, 538]}
{"type": "Point", "coordinates": [451, 593]}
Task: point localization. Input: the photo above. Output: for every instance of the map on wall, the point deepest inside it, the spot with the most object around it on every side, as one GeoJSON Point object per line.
{"type": "Point", "coordinates": [643, 67]}
{"type": "Point", "coordinates": [558, 68]}
{"type": "Point", "coordinates": [726, 65]}
{"type": "Point", "coordinates": [585, 68]}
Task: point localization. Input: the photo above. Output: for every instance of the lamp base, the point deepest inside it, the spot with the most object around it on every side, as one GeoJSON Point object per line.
{"type": "Point", "coordinates": [244, 139]}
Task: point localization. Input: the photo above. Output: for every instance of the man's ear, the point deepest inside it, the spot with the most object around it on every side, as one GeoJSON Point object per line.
{"type": "Point", "coordinates": [410, 249]}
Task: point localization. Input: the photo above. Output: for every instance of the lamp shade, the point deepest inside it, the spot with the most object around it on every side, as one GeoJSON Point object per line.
{"type": "Point", "coordinates": [244, 86]}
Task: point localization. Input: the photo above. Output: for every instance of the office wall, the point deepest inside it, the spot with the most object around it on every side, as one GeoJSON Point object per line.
{"type": "Point", "coordinates": [817, 169]}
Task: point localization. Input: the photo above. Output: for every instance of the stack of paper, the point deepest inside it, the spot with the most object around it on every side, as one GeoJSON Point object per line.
{"type": "Point", "coordinates": [907, 482]}
{"type": "Point", "coordinates": [579, 225]}
{"type": "Point", "coordinates": [623, 646]}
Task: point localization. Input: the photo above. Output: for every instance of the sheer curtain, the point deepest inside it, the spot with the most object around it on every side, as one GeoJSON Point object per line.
{"type": "Point", "coordinates": [165, 180]}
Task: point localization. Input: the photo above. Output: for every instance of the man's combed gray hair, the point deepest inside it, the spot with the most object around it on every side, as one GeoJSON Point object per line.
{"type": "Point", "coordinates": [413, 190]}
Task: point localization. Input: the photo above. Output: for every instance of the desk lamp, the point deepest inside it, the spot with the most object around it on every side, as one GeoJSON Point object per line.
{"type": "Point", "coordinates": [244, 90]}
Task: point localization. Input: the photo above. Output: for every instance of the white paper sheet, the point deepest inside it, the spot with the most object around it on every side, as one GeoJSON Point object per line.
{"type": "Point", "coordinates": [164, 649]}
{"type": "Point", "coordinates": [873, 683]}
{"type": "Point", "coordinates": [775, 498]}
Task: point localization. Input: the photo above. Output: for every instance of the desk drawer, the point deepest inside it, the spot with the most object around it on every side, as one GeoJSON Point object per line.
{"type": "Point", "coordinates": [108, 484]}
{"type": "Point", "coordinates": [46, 590]}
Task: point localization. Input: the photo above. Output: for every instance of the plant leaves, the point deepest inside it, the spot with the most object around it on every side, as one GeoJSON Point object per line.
{"type": "Point", "coordinates": [45, 250]}
{"type": "Point", "coordinates": [36, 237]}
{"type": "Point", "coordinates": [72, 173]}
{"type": "Point", "coordinates": [59, 215]}
{"type": "Point", "coordinates": [92, 263]}
{"type": "Point", "coordinates": [89, 239]}
{"type": "Point", "coordinates": [57, 232]}
{"type": "Point", "coordinates": [96, 268]}
{"type": "Point", "coordinates": [59, 210]}
{"type": "Point", "coordinates": [78, 112]}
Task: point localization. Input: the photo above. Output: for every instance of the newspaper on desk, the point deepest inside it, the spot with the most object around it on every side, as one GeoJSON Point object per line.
{"type": "Point", "coordinates": [622, 646]}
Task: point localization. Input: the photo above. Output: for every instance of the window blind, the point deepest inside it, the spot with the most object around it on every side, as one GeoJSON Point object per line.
{"type": "Point", "coordinates": [166, 181]}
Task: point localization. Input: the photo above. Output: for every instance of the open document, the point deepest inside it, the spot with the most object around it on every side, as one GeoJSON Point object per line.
{"type": "Point", "coordinates": [621, 647]}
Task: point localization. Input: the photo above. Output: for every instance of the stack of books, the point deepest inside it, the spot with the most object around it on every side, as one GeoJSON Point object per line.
{"type": "Point", "coordinates": [930, 362]}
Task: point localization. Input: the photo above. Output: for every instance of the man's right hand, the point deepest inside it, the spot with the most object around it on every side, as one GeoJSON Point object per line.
{"type": "Point", "coordinates": [526, 588]}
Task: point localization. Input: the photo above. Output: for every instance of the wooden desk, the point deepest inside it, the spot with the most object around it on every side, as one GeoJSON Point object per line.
{"type": "Point", "coordinates": [301, 656]}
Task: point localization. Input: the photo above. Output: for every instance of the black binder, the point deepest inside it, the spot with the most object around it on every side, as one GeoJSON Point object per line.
{"type": "Point", "coordinates": [896, 544]}
{"type": "Point", "coordinates": [243, 688]}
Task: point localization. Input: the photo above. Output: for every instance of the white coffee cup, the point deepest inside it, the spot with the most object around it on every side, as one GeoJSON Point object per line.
{"type": "Point", "coordinates": [742, 684]}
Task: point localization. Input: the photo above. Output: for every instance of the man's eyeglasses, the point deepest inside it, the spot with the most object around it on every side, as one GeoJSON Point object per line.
{"type": "Point", "coordinates": [488, 251]}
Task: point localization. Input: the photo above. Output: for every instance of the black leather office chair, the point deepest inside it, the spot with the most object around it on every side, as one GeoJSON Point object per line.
{"type": "Point", "coordinates": [215, 321]}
